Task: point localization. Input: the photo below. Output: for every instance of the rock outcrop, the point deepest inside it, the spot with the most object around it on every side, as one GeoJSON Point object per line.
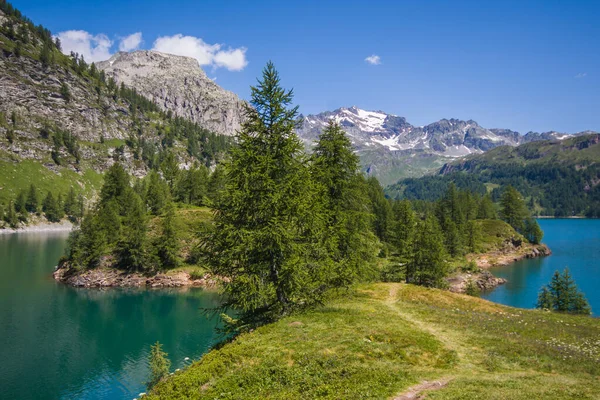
{"type": "Point", "coordinates": [110, 277]}
{"type": "Point", "coordinates": [177, 84]}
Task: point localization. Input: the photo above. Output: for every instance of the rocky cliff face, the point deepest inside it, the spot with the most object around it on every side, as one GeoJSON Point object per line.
{"type": "Point", "coordinates": [177, 84]}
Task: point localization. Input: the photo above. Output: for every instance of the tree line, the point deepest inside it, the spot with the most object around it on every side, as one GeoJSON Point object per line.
{"type": "Point", "coordinates": [52, 207]}
{"type": "Point", "coordinates": [118, 224]}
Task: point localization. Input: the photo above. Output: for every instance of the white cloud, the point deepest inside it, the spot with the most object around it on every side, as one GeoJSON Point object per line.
{"type": "Point", "coordinates": [92, 47]}
{"type": "Point", "coordinates": [206, 54]}
{"type": "Point", "coordinates": [131, 42]}
{"type": "Point", "coordinates": [581, 75]}
{"type": "Point", "coordinates": [373, 59]}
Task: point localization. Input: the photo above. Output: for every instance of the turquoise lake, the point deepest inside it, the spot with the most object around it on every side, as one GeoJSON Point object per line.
{"type": "Point", "coordinates": [58, 342]}
{"type": "Point", "coordinates": [575, 243]}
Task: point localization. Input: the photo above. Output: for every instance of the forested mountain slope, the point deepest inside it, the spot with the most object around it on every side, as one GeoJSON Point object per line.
{"type": "Point", "coordinates": [559, 178]}
{"type": "Point", "coordinates": [63, 121]}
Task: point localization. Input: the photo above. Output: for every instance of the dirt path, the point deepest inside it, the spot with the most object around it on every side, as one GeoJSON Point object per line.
{"type": "Point", "coordinates": [420, 391]}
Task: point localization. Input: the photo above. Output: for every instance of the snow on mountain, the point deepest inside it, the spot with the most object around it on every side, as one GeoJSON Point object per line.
{"type": "Point", "coordinates": [391, 148]}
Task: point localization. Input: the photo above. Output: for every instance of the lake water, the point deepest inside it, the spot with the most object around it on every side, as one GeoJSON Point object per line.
{"type": "Point", "coordinates": [57, 342]}
{"type": "Point", "coordinates": [575, 243]}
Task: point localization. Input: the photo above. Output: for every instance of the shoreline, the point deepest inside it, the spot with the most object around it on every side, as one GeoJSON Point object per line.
{"type": "Point", "coordinates": [48, 227]}
{"type": "Point", "coordinates": [484, 280]}
{"type": "Point", "coordinates": [114, 278]}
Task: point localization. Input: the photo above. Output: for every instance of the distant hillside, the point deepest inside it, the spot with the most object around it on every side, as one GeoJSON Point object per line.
{"type": "Point", "coordinates": [63, 121]}
{"type": "Point", "coordinates": [559, 178]}
{"type": "Point", "coordinates": [390, 148]}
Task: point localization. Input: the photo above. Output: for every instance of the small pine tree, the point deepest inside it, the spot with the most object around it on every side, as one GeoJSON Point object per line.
{"type": "Point", "coordinates": [168, 242]}
{"type": "Point", "coordinates": [70, 204]}
{"type": "Point", "coordinates": [157, 193]}
{"type": "Point", "coordinates": [403, 228]}
{"type": "Point", "coordinates": [170, 169]}
{"type": "Point", "coordinates": [32, 202]}
{"type": "Point", "coordinates": [545, 300]}
{"type": "Point", "coordinates": [11, 216]}
{"type": "Point", "coordinates": [532, 231]}
{"type": "Point", "coordinates": [45, 56]}
{"type": "Point", "coordinates": [562, 295]}
{"type": "Point", "coordinates": [159, 365]}
{"type": "Point", "coordinates": [427, 265]}
{"type": "Point", "coordinates": [21, 203]}
{"type": "Point", "coordinates": [65, 92]}
{"type": "Point", "coordinates": [486, 209]}
{"type": "Point", "coordinates": [51, 208]}
{"type": "Point", "coordinates": [131, 247]}
{"type": "Point", "coordinates": [513, 209]}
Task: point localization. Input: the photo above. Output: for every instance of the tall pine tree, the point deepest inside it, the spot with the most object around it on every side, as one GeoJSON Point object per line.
{"type": "Point", "coordinates": [350, 241]}
{"type": "Point", "coordinates": [265, 239]}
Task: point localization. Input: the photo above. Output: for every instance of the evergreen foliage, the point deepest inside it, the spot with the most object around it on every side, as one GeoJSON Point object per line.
{"type": "Point", "coordinates": [349, 240]}
{"type": "Point", "coordinates": [266, 237]}
{"type": "Point", "coordinates": [168, 243]}
{"type": "Point", "coordinates": [513, 210]}
{"type": "Point", "coordinates": [427, 263]}
{"type": "Point", "coordinates": [32, 202]}
{"type": "Point", "coordinates": [51, 208]}
{"type": "Point", "coordinates": [131, 246]}
{"type": "Point", "coordinates": [562, 295]}
{"type": "Point", "coordinates": [159, 365]}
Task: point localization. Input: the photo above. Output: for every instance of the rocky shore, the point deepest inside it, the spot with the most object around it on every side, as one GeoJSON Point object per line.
{"type": "Point", "coordinates": [485, 280]}
{"type": "Point", "coordinates": [108, 277]}
{"type": "Point", "coordinates": [63, 226]}
{"type": "Point", "coordinates": [509, 255]}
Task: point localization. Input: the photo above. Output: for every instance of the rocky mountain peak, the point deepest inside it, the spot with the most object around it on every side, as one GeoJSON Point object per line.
{"type": "Point", "coordinates": [177, 84]}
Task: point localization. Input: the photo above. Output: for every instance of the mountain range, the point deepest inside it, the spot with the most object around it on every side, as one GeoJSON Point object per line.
{"type": "Point", "coordinates": [391, 148]}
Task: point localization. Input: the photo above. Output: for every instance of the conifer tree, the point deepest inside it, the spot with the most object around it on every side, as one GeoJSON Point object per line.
{"type": "Point", "coordinates": [65, 92]}
{"type": "Point", "coordinates": [157, 193]}
{"type": "Point", "coordinates": [350, 241]}
{"type": "Point", "coordinates": [131, 246]}
{"type": "Point", "coordinates": [32, 202]}
{"type": "Point", "coordinates": [159, 365]}
{"type": "Point", "coordinates": [216, 183]}
{"type": "Point", "coordinates": [382, 210]}
{"type": "Point", "coordinates": [70, 204]}
{"type": "Point", "coordinates": [21, 203]}
{"type": "Point", "coordinates": [265, 231]}
{"type": "Point", "coordinates": [168, 242]}
{"type": "Point", "coordinates": [116, 184]}
{"type": "Point", "coordinates": [170, 169]}
{"type": "Point", "coordinates": [403, 228]}
{"type": "Point", "coordinates": [562, 295]}
{"type": "Point", "coordinates": [532, 231]}
{"type": "Point", "coordinates": [51, 208]}
{"type": "Point", "coordinates": [11, 215]}
{"type": "Point", "coordinates": [427, 266]}
{"type": "Point", "coordinates": [513, 209]}
{"type": "Point", "coordinates": [486, 209]}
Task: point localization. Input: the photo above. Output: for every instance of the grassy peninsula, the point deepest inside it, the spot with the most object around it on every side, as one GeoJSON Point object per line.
{"type": "Point", "coordinates": [381, 340]}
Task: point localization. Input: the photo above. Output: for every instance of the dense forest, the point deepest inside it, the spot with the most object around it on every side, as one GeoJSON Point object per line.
{"type": "Point", "coordinates": [557, 178]}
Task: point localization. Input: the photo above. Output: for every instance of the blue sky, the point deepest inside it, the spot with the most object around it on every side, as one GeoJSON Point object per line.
{"type": "Point", "coordinates": [522, 65]}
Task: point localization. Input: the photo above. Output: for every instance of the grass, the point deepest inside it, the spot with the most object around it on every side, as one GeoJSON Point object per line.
{"type": "Point", "coordinates": [17, 176]}
{"type": "Point", "coordinates": [380, 339]}
{"type": "Point", "coordinates": [493, 233]}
